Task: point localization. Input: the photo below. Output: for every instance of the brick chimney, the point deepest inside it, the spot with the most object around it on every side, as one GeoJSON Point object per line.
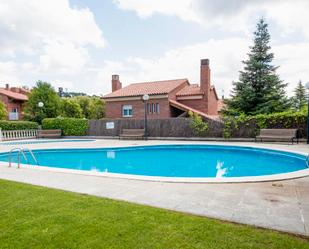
{"type": "Point", "coordinates": [205, 83]}
{"type": "Point", "coordinates": [116, 84]}
{"type": "Point", "coordinates": [205, 76]}
{"type": "Point", "coordinates": [7, 86]}
{"type": "Point", "coordinates": [15, 89]}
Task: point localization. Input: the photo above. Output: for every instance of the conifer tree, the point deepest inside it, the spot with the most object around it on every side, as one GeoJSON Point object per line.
{"type": "Point", "coordinates": [299, 99]}
{"type": "Point", "coordinates": [259, 89]}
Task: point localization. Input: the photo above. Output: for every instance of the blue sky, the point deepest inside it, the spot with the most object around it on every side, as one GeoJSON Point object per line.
{"type": "Point", "coordinates": [79, 44]}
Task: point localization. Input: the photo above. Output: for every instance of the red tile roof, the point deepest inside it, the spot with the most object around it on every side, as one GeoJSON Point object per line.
{"type": "Point", "coordinates": [193, 89]}
{"type": "Point", "coordinates": [151, 88]}
{"type": "Point", "coordinates": [188, 108]}
{"type": "Point", "coordinates": [13, 95]}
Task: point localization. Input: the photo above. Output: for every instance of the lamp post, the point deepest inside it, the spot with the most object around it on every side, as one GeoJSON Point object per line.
{"type": "Point", "coordinates": [40, 104]}
{"type": "Point", "coordinates": [145, 99]}
{"type": "Point", "coordinates": [307, 87]}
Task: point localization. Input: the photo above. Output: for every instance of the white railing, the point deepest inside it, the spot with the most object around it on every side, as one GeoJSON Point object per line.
{"type": "Point", "coordinates": [13, 116]}
{"type": "Point", "coordinates": [18, 134]}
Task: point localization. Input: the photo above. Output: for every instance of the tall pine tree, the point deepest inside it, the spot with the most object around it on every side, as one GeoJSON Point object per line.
{"type": "Point", "coordinates": [299, 99]}
{"type": "Point", "coordinates": [259, 89]}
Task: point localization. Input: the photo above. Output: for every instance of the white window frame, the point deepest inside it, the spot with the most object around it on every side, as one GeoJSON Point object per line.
{"type": "Point", "coordinates": [127, 111]}
{"type": "Point", "coordinates": [158, 108]}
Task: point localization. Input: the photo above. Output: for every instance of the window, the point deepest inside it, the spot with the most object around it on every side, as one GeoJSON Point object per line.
{"type": "Point", "coordinates": [127, 111]}
{"type": "Point", "coordinates": [158, 108]}
{"type": "Point", "coordinates": [14, 109]}
{"type": "Point", "coordinates": [148, 108]}
{"type": "Point", "coordinates": [153, 108]}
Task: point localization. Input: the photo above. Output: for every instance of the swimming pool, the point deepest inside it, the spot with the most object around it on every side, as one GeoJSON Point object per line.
{"type": "Point", "coordinates": [172, 161]}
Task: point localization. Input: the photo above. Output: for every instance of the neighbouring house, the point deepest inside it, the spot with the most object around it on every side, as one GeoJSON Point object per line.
{"type": "Point", "coordinates": [14, 99]}
{"type": "Point", "coordinates": [168, 98]}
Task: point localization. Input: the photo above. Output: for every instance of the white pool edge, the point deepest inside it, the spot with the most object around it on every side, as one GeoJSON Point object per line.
{"type": "Point", "coordinates": [265, 178]}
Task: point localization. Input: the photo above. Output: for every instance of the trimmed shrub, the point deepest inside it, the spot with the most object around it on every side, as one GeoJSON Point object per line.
{"type": "Point", "coordinates": [69, 126]}
{"type": "Point", "coordinates": [18, 125]}
{"type": "Point", "coordinates": [249, 126]}
{"type": "Point", "coordinates": [198, 125]}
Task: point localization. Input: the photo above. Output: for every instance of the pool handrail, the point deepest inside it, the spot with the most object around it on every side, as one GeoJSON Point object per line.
{"type": "Point", "coordinates": [31, 153]}
{"type": "Point", "coordinates": [307, 161]}
{"type": "Point", "coordinates": [21, 151]}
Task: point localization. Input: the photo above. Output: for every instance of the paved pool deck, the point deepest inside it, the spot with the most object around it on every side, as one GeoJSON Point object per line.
{"type": "Point", "coordinates": [280, 205]}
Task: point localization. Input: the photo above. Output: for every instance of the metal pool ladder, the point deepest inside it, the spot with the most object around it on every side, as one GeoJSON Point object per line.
{"type": "Point", "coordinates": [21, 151]}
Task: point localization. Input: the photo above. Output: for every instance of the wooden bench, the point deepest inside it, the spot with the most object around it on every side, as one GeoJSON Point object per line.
{"type": "Point", "coordinates": [49, 133]}
{"type": "Point", "coordinates": [132, 134]}
{"type": "Point", "coordinates": [277, 135]}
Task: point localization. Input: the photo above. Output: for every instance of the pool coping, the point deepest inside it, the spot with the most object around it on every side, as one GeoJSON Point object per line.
{"type": "Point", "coordinates": [264, 178]}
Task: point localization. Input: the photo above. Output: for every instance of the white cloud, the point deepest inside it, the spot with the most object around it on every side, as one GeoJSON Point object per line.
{"type": "Point", "coordinates": [8, 72]}
{"type": "Point", "coordinates": [27, 25]}
{"type": "Point", "coordinates": [46, 39]}
{"type": "Point", "coordinates": [63, 57]}
{"type": "Point", "coordinates": [293, 60]}
{"type": "Point", "coordinates": [182, 8]}
{"type": "Point", "coordinates": [290, 16]}
{"type": "Point", "coordinates": [232, 15]}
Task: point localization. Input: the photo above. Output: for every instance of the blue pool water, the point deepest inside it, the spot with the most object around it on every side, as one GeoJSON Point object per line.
{"type": "Point", "coordinates": [173, 160]}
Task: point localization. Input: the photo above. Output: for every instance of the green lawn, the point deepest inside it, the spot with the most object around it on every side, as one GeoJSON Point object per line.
{"type": "Point", "coordinates": [36, 217]}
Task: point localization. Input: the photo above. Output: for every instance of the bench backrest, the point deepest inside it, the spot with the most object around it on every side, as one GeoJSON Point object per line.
{"type": "Point", "coordinates": [44, 132]}
{"type": "Point", "coordinates": [133, 131]}
{"type": "Point", "coordinates": [279, 132]}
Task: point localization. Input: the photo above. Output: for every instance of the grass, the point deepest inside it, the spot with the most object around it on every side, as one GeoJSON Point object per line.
{"type": "Point", "coordinates": [36, 217]}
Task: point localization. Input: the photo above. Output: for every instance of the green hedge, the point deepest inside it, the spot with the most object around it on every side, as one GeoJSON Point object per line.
{"type": "Point", "coordinates": [18, 125]}
{"type": "Point", "coordinates": [69, 126]}
{"type": "Point", "coordinates": [249, 126]}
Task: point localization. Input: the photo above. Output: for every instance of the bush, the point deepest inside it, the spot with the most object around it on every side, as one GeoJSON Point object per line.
{"type": "Point", "coordinates": [199, 127]}
{"type": "Point", "coordinates": [69, 126]}
{"type": "Point", "coordinates": [92, 107]}
{"type": "Point", "coordinates": [249, 126]}
{"type": "Point", "coordinates": [3, 111]}
{"type": "Point", "coordinates": [70, 108]}
{"type": "Point", "coordinates": [18, 125]}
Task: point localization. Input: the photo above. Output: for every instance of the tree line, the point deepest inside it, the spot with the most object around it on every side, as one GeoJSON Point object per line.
{"type": "Point", "coordinates": [56, 106]}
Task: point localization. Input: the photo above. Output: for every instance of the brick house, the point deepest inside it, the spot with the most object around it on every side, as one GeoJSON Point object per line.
{"type": "Point", "coordinates": [14, 99]}
{"type": "Point", "coordinates": [168, 98]}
